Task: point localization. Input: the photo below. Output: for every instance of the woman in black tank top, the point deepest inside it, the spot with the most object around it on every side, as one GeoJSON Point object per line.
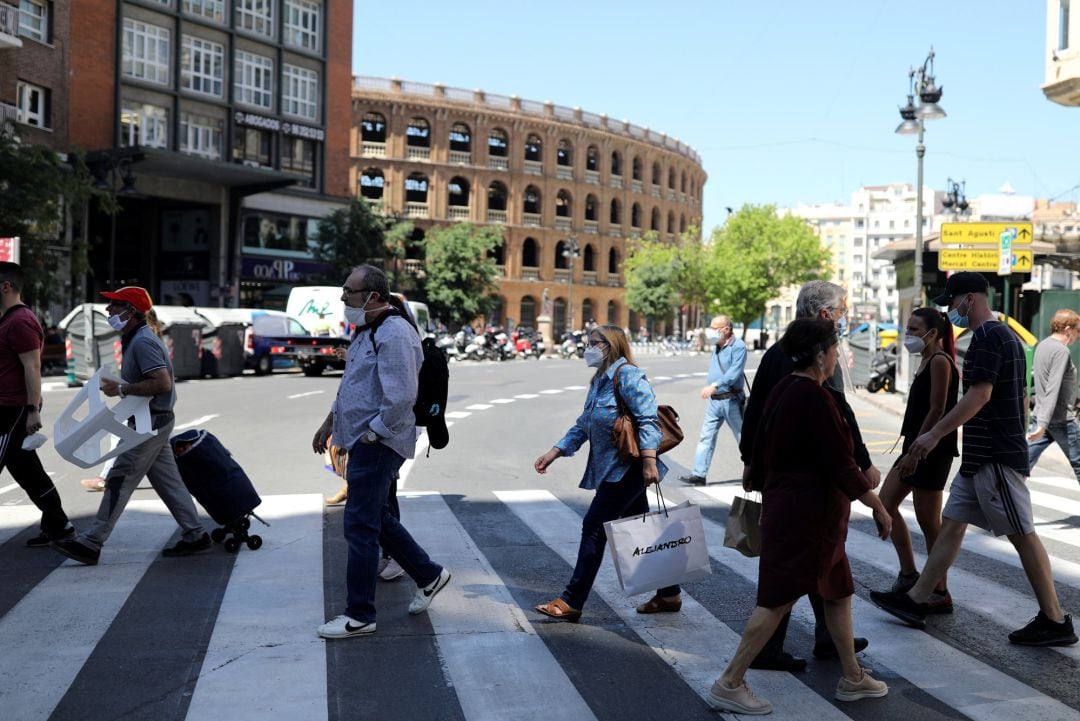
{"type": "Point", "coordinates": [933, 393]}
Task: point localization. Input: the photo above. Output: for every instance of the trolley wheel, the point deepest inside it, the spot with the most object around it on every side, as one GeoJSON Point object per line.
{"type": "Point", "coordinates": [244, 523]}
{"type": "Point", "coordinates": [254, 542]}
{"type": "Point", "coordinates": [232, 545]}
{"type": "Point", "coordinates": [217, 535]}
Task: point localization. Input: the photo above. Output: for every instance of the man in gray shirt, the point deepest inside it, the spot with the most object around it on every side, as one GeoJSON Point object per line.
{"type": "Point", "coordinates": [373, 417]}
{"type": "Point", "coordinates": [145, 370]}
{"type": "Point", "coordinates": [1055, 392]}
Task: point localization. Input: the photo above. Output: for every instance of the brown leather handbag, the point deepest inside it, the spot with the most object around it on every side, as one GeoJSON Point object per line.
{"type": "Point", "coordinates": [624, 433]}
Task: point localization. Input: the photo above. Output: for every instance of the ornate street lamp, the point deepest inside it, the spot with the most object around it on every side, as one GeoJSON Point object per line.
{"type": "Point", "coordinates": [955, 199]}
{"type": "Point", "coordinates": [570, 252]}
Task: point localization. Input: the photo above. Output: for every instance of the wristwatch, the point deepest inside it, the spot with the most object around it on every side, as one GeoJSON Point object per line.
{"type": "Point", "coordinates": [120, 390]}
{"type": "Point", "coordinates": [371, 437]}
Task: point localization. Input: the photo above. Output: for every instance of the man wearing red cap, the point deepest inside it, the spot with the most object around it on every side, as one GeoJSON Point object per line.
{"type": "Point", "coordinates": [21, 340]}
{"type": "Point", "coordinates": [146, 370]}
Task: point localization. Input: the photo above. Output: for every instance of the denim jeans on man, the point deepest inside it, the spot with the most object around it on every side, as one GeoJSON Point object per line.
{"type": "Point", "coordinates": [369, 524]}
{"type": "Point", "coordinates": [1067, 435]}
{"type": "Point", "coordinates": [728, 410]}
{"type": "Point", "coordinates": [611, 502]}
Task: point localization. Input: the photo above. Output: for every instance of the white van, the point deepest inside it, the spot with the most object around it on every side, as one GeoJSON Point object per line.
{"type": "Point", "coordinates": [320, 309]}
{"type": "Point", "coordinates": [422, 316]}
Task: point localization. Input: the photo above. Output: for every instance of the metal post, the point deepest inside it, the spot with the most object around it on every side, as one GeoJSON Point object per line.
{"type": "Point", "coordinates": [1005, 298]}
{"type": "Point", "coordinates": [570, 290]}
{"type": "Point", "coordinates": [920, 151]}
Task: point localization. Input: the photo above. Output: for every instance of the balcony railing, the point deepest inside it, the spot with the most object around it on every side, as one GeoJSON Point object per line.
{"type": "Point", "coordinates": [530, 274]}
{"type": "Point", "coordinates": [414, 267]}
{"type": "Point", "coordinates": [9, 114]}
{"type": "Point", "coordinates": [592, 177]}
{"type": "Point", "coordinates": [636, 186]}
{"type": "Point", "coordinates": [615, 231]}
{"type": "Point", "coordinates": [614, 280]}
{"type": "Point", "coordinates": [534, 167]}
{"type": "Point", "coordinates": [560, 113]}
{"type": "Point", "coordinates": [496, 216]}
{"type": "Point", "coordinates": [562, 275]}
{"type": "Point", "coordinates": [460, 157]}
{"type": "Point", "coordinates": [670, 194]}
{"type": "Point", "coordinates": [564, 173]}
{"type": "Point", "coordinates": [497, 163]}
{"type": "Point", "coordinates": [501, 270]}
{"type": "Point", "coordinates": [373, 150]}
{"type": "Point", "coordinates": [415, 153]}
{"type": "Point", "coordinates": [655, 191]}
{"type": "Point", "coordinates": [416, 210]}
{"type": "Point", "coordinates": [616, 182]}
{"type": "Point", "coordinates": [532, 219]}
{"type": "Point", "coordinates": [588, 277]}
{"type": "Point", "coordinates": [9, 26]}
{"type": "Point", "coordinates": [592, 226]}
{"type": "Point", "coordinates": [563, 223]}
{"type": "Point", "coordinates": [458, 212]}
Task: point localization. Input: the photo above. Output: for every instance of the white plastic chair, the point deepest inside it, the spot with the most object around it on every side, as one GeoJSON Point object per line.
{"type": "Point", "coordinates": [87, 441]}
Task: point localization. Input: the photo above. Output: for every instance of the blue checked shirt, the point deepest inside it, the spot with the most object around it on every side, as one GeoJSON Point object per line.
{"type": "Point", "coordinates": [727, 366]}
{"type": "Point", "coordinates": [598, 418]}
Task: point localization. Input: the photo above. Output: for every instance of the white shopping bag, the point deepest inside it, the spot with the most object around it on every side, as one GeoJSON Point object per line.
{"type": "Point", "coordinates": [86, 440]}
{"type": "Point", "coordinates": [664, 548]}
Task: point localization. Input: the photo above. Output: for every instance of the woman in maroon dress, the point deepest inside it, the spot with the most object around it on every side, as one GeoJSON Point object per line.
{"type": "Point", "coordinates": [805, 456]}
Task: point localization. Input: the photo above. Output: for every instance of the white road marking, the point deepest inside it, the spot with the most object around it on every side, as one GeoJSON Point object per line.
{"type": "Point", "coordinates": [196, 422]}
{"type": "Point", "coordinates": [477, 407]}
{"type": "Point", "coordinates": [551, 391]}
{"type": "Point", "coordinates": [700, 373]}
{"type": "Point", "coordinates": [302, 395]}
{"type": "Point", "coordinates": [16, 518]}
{"type": "Point", "coordinates": [422, 443]}
{"type": "Point", "coordinates": [574, 388]}
{"type": "Point", "coordinates": [662, 378]}
{"type": "Point", "coordinates": [458, 414]}
{"type": "Point", "coordinates": [503, 401]}
{"type": "Point", "coordinates": [10, 487]}
{"type": "Point", "coordinates": [526, 396]}
{"type": "Point", "coordinates": [682, 375]}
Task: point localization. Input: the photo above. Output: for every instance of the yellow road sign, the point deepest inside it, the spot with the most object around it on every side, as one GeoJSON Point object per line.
{"type": "Point", "coordinates": [982, 260]}
{"type": "Point", "coordinates": [985, 233]}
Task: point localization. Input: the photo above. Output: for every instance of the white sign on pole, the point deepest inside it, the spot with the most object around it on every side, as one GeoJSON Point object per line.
{"type": "Point", "coordinates": [1006, 238]}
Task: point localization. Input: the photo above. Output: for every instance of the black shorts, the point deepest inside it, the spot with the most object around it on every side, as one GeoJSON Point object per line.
{"type": "Point", "coordinates": [931, 474]}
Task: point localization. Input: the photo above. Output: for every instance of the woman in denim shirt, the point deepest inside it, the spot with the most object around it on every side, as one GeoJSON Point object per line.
{"type": "Point", "coordinates": [620, 486]}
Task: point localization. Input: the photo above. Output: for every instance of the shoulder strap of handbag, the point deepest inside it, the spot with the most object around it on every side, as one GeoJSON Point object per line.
{"type": "Point", "coordinates": [615, 388]}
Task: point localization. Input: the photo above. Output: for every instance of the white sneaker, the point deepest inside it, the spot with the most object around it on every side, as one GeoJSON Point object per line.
{"type": "Point", "coordinates": [391, 571]}
{"type": "Point", "coordinates": [865, 687]}
{"type": "Point", "coordinates": [345, 627]}
{"type": "Point", "coordinates": [424, 595]}
{"type": "Point", "coordinates": [738, 700]}
{"type": "Point", "coordinates": [383, 562]}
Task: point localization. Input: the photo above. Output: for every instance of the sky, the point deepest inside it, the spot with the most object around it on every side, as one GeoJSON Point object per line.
{"type": "Point", "coordinates": [786, 101]}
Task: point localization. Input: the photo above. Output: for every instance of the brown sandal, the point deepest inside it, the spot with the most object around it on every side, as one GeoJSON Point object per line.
{"type": "Point", "coordinates": [656, 604]}
{"type": "Point", "coordinates": [559, 610]}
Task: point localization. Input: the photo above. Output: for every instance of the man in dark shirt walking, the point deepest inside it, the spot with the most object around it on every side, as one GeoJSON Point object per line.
{"type": "Point", "coordinates": [991, 488]}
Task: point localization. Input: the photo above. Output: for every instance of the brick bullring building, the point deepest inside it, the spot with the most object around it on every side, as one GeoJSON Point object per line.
{"type": "Point", "coordinates": [554, 177]}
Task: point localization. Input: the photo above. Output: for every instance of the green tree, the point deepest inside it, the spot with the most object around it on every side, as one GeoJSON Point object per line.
{"type": "Point", "coordinates": [755, 255]}
{"type": "Point", "coordinates": [357, 234]}
{"type": "Point", "coordinates": [652, 274]}
{"type": "Point", "coordinates": [461, 271]}
{"type": "Point", "coordinates": [36, 190]}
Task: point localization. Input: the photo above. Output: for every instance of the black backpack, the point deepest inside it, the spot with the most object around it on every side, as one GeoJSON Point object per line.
{"type": "Point", "coordinates": [432, 386]}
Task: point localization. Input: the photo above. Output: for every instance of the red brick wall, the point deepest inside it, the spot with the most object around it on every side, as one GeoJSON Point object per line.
{"type": "Point", "coordinates": [42, 64]}
{"type": "Point", "coordinates": [92, 73]}
{"type": "Point", "coordinates": [338, 96]}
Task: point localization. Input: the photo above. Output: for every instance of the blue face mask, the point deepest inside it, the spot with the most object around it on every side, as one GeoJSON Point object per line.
{"type": "Point", "coordinates": [841, 325]}
{"type": "Point", "coordinates": [960, 321]}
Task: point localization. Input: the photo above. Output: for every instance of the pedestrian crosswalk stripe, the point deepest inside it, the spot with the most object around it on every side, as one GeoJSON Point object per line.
{"type": "Point", "coordinates": [15, 519]}
{"type": "Point", "coordinates": [499, 666]}
{"type": "Point", "coordinates": [79, 603]}
{"type": "Point", "coordinates": [477, 407]}
{"type": "Point", "coordinates": [502, 401]}
{"type": "Point", "coordinates": [526, 396]}
{"type": "Point", "coordinates": [574, 388]}
{"type": "Point", "coordinates": [266, 624]}
{"type": "Point", "coordinates": [458, 414]}
{"type": "Point", "coordinates": [693, 642]}
{"type": "Point", "coordinates": [662, 378]}
{"type": "Point", "coordinates": [955, 678]}
{"type": "Point", "coordinates": [551, 391]}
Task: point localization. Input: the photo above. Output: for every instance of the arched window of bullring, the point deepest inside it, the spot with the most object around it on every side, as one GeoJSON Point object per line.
{"type": "Point", "coordinates": [458, 192]}
{"type": "Point", "coordinates": [612, 312]}
{"type": "Point", "coordinates": [498, 306]}
{"type": "Point", "coordinates": [530, 255]}
{"type": "Point", "coordinates": [613, 261]}
{"type": "Point", "coordinates": [635, 168]}
{"type": "Point", "coordinates": [590, 207]}
{"type": "Point", "coordinates": [531, 200]}
{"type": "Point", "coordinates": [528, 311]}
{"type": "Point", "coordinates": [635, 215]}
{"type": "Point", "coordinates": [560, 317]}
{"type": "Point", "coordinates": [561, 255]}
{"type": "Point", "coordinates": [418, 134]}
{"type": "Point", "coordinates": [497, 196]}
{"type": "Point", "coordinates": [499, 253]}
{"type": "Point", "coordinates": [671, 178]}
{"type": "Point", "coordinates": [616, 163]}
{"type": "Point", "coordinates": [592, 158]}
{"type": "Point", "coordinates": [682, 223]}
{"type": "Point", "coordinates": [586, 311]}
{"type": "Point", "coordinates": [564, 153]}
{"type": "Point", "coordinates": [563, 204]}
{"type": "Point", "coordinates": [498, 143]}
{"type": "Point", "coordinates": [372, 184]}
{"type": "Point", "coordinates": [654, 220]}
{"type": "Point", "coordinates": [656, 173]}
{"type": "Point", "coordinates": [534, 148]}
{"type": "Point", "coordinates": [682, 182]}
{"type": "Point", "coordinates": [416, 188]}
{"type": "Point", "coordinates": [671, 221]}
{"type": "Point", "coordinates": [616, 212]}
{"type": "Point", "coordinates": [460, 138]}
{"type": "Point", "coordinates": [373, 128]}
{"type": "Point", "coordinates": [589, 258]}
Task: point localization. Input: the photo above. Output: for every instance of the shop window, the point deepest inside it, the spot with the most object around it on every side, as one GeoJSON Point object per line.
{"type": "Point", "coordinates": [299, 157]}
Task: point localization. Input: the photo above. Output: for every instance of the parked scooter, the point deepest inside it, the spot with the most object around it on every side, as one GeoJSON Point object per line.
{"type": "Point", "coordinates": [527, 343]}
{"type": "Point", "coordinates": [573, 345]}
{"type": "Point", "coordinates": [883, 370]}
{"type": "Point", "coordinates": [448, 344]}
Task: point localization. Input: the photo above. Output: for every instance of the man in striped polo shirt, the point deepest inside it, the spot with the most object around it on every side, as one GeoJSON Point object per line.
{"type": "Point", "coordinates": [991, 488]}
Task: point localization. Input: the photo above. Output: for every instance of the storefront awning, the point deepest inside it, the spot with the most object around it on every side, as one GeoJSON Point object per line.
{"type": "Point", "coordinates": [241, 179]}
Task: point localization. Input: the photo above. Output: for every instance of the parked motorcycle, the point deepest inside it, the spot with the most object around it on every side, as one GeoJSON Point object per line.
{"type": "Point", "coordinates": [448, 344]}
{"type": "Point", "coordinates": [527, 343]}
{"type": "Point", "coordinates": [573, 345]}
{"type": "Point", "coordinates": [883, 370]}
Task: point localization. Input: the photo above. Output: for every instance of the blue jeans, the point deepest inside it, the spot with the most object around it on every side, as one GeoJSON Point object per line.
{"type": "Point", "coordinates": [612, 501]}
{"type": "Point", "coordinates": [370, 523]}
{"type": "Point", "coordinates": [730, 410]}
{"type": "Point", "coordinates": [1067, 435]}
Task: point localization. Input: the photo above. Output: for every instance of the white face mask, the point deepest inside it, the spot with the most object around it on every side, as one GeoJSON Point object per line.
{"type": "Point", "coordinates": [915, 343]}
{"type": "Point", "coordinates": [712, 334]}
{"type": "Point", "coordinates": [594, 357]}
{"type": "Point", "coordinates": [116, 322]}
{"type": "Point", "coordinates": [359, 316]}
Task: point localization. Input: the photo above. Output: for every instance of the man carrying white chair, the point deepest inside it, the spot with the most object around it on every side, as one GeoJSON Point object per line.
{"type": "Point", "coordinates": [146, 370]}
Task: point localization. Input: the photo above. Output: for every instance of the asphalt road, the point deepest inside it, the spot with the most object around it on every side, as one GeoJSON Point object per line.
{"type": "Point", "coordinates": [217, 635]}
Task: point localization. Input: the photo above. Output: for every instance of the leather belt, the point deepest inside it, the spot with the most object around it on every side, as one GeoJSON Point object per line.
{"type": "Point", "coordinates": [725, 395]}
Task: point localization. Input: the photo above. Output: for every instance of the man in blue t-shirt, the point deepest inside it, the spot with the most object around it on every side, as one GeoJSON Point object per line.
{"type": "Point", "coordinates": [145, 370]}
{"type": "Point", "coordinates": [991, 488]}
